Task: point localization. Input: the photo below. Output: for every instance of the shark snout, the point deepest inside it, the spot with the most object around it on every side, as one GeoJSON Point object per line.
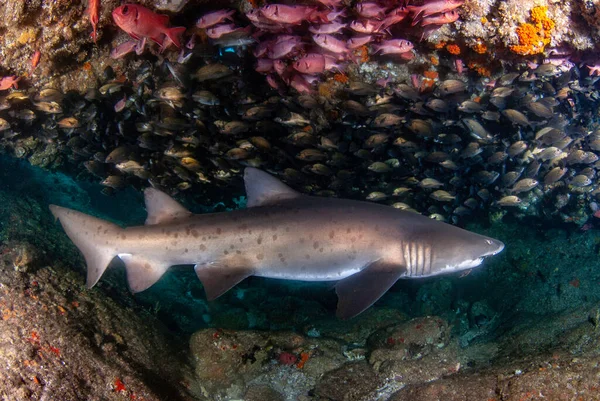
{"type": "Point", "coordinates": [494, 247]}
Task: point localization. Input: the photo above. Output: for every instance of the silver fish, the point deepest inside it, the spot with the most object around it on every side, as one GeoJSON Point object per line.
{"type": "Point", "coordinates": [442, 196]}
{"type": "Point", "coordinates": [430, 183]}
{"type": "Point", "coordinates": [477, 130]}
{"type": "Point", "coordinates": [516, 117]}
{"type": "Point", "coordinates": [469, 106]}
{"type": "Point", "coordinates": [554, 175]}
{"type": "Point", "coordinates": [524, 185]}
{"type": "Point", "coordinates": [510, 200]}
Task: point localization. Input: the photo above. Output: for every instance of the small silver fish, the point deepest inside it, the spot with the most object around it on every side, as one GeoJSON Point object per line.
{"type": "Point", "coordinates": [508, 201]}
{"type": "Point", "coordinates": [442, 196]}
{"type": "Point", "coordinates": [524, 185]}
{"type": "Point", "coordinates": [516, 117]}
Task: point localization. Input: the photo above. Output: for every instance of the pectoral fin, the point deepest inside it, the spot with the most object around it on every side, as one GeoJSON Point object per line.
{"type": "Point", "coordinates": [219, 277]}
{"type": "Point", "coordinates": [361, 290]}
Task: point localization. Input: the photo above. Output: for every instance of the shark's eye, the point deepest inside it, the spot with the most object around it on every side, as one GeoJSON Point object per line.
{"type": "Point", "coordinates": [125, 10]}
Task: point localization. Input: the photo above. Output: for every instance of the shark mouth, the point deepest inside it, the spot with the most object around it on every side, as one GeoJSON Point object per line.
{"type": "Point", "coordinates": [467, 264]}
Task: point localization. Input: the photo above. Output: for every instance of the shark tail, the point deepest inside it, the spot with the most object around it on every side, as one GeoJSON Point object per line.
{"type": "Point", "coordinates": [94, 237]}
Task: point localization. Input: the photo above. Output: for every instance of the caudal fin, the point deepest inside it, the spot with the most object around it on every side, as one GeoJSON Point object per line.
{"type": "Point", "coordinates": [94, 237]}
{"type": "Point", "coordinates": [174, 33]}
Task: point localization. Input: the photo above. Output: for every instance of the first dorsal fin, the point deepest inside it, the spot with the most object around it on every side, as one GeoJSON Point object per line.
{"type": "Point", "coordinates": [264, 189]}
{"type": "Point", "coordinates": [162, 208]}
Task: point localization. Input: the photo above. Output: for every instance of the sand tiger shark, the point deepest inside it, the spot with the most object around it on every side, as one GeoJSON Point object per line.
{"type": "Point", "coordinates": [365, 247]}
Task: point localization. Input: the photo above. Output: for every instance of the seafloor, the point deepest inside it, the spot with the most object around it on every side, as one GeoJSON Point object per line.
{"type": "Point", "coordinates": [489, 122]}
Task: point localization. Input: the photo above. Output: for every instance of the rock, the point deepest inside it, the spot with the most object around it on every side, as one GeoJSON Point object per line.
{"type": "Point", "coordinates": [173, 6]}
{"type": "Point", "coordinates": [228, 361]}
{"type": "Point", "coordinates": [472, 387]}
{"type": "Point", "coordinates": [351, 382]}
{"type": "Point", "coordinates": [413, 352]}
{"type": "Point", "coordinates": [262, 393]}
{"type": "Point", "coordinates": [416, 333]}
{"type": "Point", "coordinates": [358, 329]}
{"type": "Point", "coordinates": [61, 342]}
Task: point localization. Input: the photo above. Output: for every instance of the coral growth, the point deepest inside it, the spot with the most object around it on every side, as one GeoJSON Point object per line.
{"type": "Point", "coordinates": [535, 36]}
{"type": "Point", "coordinates": [453, 49]}
{"type": "Point", "coordinates": [479, 48]}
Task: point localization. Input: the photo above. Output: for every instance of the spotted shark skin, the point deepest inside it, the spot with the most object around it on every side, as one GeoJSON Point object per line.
{"type": "Point", "coordinates": [365, 247]}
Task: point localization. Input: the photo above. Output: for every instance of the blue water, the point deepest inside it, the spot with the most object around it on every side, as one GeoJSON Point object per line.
{"type": "Point", "coordinates": [543, 270]}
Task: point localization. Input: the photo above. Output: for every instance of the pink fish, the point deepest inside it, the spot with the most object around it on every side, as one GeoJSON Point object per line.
{"type": "Point", "coordinates": [415, 80]}
{"type": "Point", "coordinates": [335, 14]}
{"type": "Point", "coordinates": [273, 82]}
{"type": "Point", "coordinates": [216, 31]}
{"type": "Point", "coordinates": [300, 84]}
{"type": "Point", "coordinates": [460, 66]}
{"type": "Point", "coordinates": [261, 49]}
{"type": "Point", "coordinates": [140, 22]}
{"type": "Point", "coordinates": [394, 16]}
{"type": "Point", "coordinates": [434, 7]}
{"type": "Point", "coordinates": [141, 45]}
{"type": "Point", "coordinates": [332, 27]}
{"type": "Point", "coordinates": [7, 82]}
{"type": "Point", "coordinates": [365, 26]}
{"type": "Point", "coordinates": [312, 63]}
{"type": "Point", "coordinates": [191, 43]}
{"type": "Point", "coordinates": [35, 60]}
{"type": "Point", "coordinates": [123, 49]}
{"type": "Point", "coordinates": [264, 65]}
{"type": "Point", "coordinates": [394, 46]}
{"type": "Point", "coordinates": [269, 27]}
{"type": "Point", "coordinates": [280, 67]}
{"type": "Point", "coordinates": [358, 41]}
{"type": "Point", "coordinates": [311, 79]}
{"type": "Point", "coordinates": [214, 18]}
{"type": "Point", "coordinates": [255, 15]}
{"type": "Point", "coordinates": [440, 19]}
{"type": "Point", "coordinates": [284, 46]}
{"type": "Point", "coordinates": [330, 43]}
{"type": "Point", "coordinates": [93, 11]}
{"type": "Point", "coordinates": [284, 14]}
{"type": "Point", "coordinates": [262, 23]}
{"type": "Point", "coordinates": [594, 70]}
{"type": "Point", "coordinates": [332, 65]}
{"type": "Point", "coordinates": [370, 10]}
{"type": "Point", "coordinates": [383, 82]}
{"type": "Point", "coordinates": [331, 3]}
{"type": "Point", "coordinates": [560, 51]}
{"type": "Point", "coordinates": [120, 105]}
{"type": "Point", "coordinates": [407, 56]}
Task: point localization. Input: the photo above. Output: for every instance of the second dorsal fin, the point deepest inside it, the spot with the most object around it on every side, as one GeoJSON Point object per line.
{"type": "Point", "coordinates": [264, 189]}
{"type": "Point", "coordinates": [162, 208]}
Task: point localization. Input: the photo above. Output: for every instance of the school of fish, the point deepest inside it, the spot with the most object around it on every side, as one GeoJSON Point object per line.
{"type": "Point", "coordinates": [525, 142]}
